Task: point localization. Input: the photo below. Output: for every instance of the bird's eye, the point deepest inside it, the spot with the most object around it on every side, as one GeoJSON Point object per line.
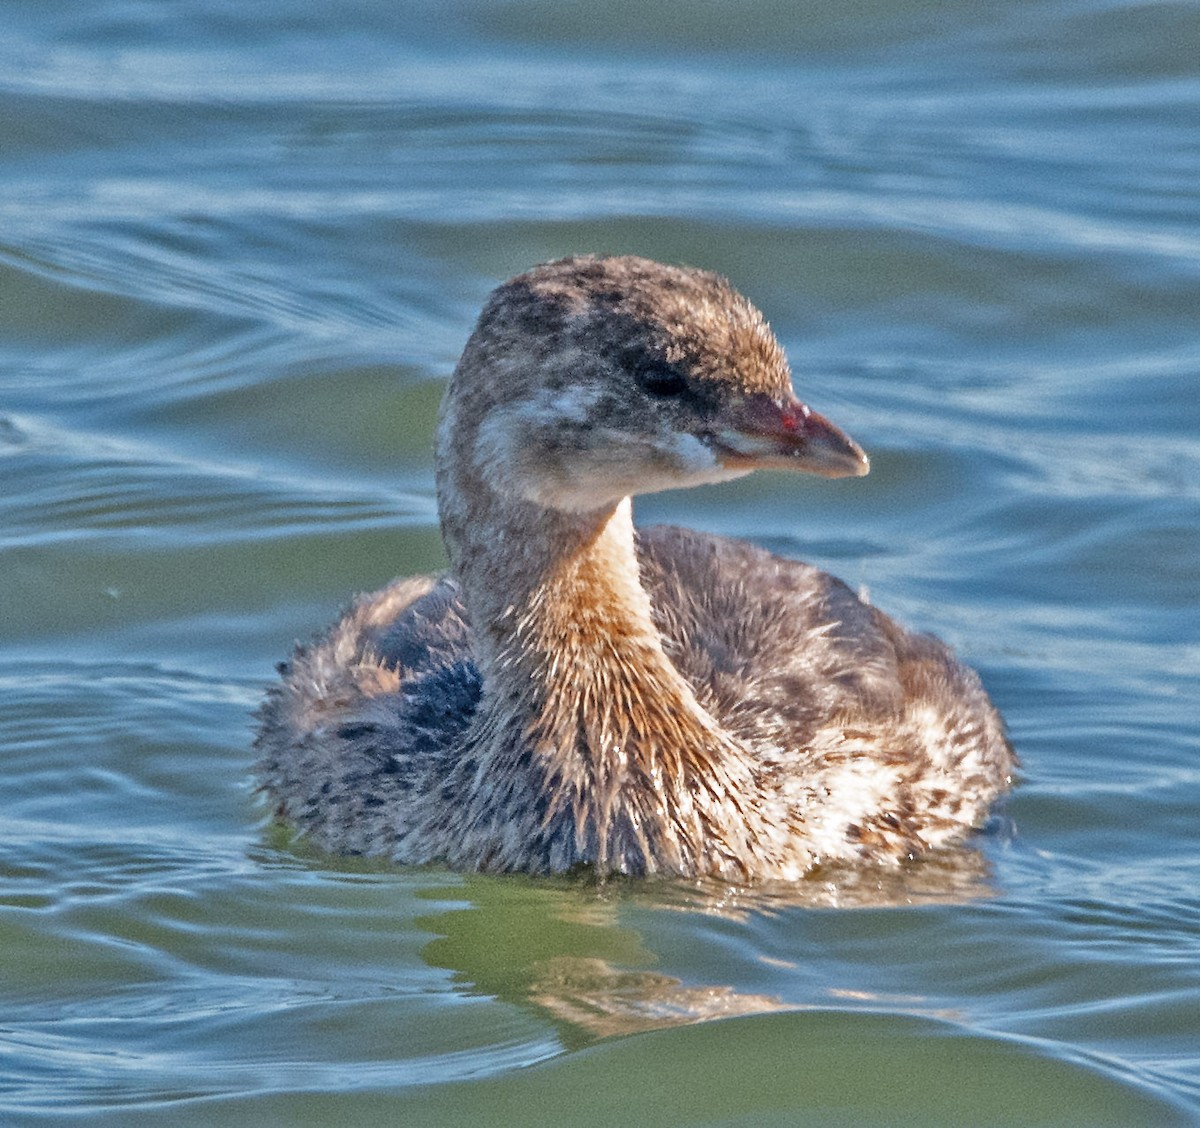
{"type": "Point", "coordinates": [660, 379]}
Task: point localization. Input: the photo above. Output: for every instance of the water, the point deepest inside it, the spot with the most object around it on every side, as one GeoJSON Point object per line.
{"type": "Point", "coordinates": [240, 248]}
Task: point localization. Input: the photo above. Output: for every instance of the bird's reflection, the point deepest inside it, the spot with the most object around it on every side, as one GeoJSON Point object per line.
{"type": "Point", "coordinates": [562, 946]}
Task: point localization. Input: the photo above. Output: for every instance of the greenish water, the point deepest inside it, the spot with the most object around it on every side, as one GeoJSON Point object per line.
{"type": "Point", "coordinates": [240, 248]}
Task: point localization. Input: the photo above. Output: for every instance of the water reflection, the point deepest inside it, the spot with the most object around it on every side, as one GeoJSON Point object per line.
{"type": "Point", "coordinates": [563, 946]}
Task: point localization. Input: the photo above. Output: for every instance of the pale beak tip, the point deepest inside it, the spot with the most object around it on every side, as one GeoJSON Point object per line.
{"type": "Point", "coordinates": [832, 453]}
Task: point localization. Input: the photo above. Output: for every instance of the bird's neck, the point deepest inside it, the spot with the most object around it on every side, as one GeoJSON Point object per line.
{"type": "Point", "coordinates": [563, 626]}
{"type": "Point", "coordinates": [579, 693]}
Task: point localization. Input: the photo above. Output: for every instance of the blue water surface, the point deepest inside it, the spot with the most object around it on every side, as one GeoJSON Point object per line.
{"type": "Point", "coordinates": [241, 246]}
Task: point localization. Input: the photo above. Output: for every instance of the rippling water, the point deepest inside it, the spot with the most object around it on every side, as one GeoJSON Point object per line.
{"type": "Point", "coordinates": [240, 248]}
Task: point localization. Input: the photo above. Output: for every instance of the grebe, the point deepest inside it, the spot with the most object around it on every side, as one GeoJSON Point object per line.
{"type": "Point", "coordinates": [577, 693]}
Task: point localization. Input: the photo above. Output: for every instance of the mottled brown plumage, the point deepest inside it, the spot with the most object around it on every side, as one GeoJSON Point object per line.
{"type": "Point", "coordinates": [573, 692]}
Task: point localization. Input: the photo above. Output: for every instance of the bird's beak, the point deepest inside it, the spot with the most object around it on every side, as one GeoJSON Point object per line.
{"type": "Point", "coordinates": [760, 432]}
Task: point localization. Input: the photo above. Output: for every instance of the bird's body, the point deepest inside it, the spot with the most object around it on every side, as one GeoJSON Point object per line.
{"type": "Point", "coordinates": [576, 693]}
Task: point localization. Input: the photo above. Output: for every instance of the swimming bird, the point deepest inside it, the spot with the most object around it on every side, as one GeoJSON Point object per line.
{"type": "Point", "coordinates": [575, 692]}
